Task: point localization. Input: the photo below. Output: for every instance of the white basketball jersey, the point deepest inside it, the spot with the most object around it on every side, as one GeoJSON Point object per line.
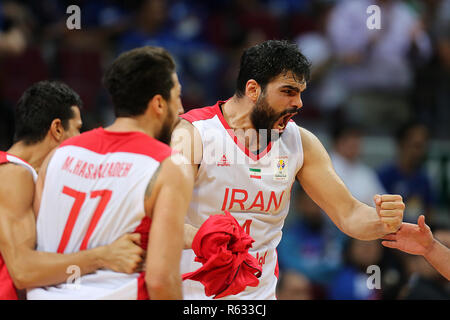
{"type": "Point", "coordinates": [254, 188]}
{"type": "Point", "coordinates": [93, 194]}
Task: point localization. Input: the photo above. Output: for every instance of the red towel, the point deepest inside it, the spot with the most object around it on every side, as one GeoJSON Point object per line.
{"type": "Point", "coordinates": [221, 245]}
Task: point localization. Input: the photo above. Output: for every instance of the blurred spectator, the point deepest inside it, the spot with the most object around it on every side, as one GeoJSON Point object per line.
{"type": "Point", "coordinates": [13, 43]}
{"type": "Point", "coordinates": [13, 28]}
{"type": "Point", "coordinates": [311, 244]}
{"type": "Point", "coordinates": [178, 29]}
{"type": "Point", "coordinates": [374, 74]}
{"type": "Point", "coordinates": [316, 46]}
{"type": "Point", "coordinates": [293, 286]}
{"type": "Point", "coordinates": [350, 282]}
{"type": "Point", "coordinates": [407, 176]}
{"type": "Point", "coordinates": [361, 180]}
{"type": "Point", "coordinates": [431, 93]}
{"type": "Point", "coordinates": [425, 282]}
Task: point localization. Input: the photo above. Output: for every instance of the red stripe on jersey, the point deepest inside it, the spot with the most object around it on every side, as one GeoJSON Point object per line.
{"type": "Point", "coordinates": [102, 141]}
{"type": "Point", "coordinates": [277, 269]}
{"type": "Point", "coordinates": [236, 140]}
{"type": "Point", "coordinates": [7, 289]}
{"type": "Point", "coordinates": [206, 113]}
{"type": "Point", "coordinates": [3, 158]}
{"type": "Point", "coordinates": [142, 293]}
{"type": "Point", "coordinates": [143, 229]}
{"type": "Point", "coordinates": [200, 113]}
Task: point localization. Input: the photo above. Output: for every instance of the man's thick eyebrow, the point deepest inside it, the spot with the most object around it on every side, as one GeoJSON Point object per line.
{"type": "Point", "coordinates": [286, 86]}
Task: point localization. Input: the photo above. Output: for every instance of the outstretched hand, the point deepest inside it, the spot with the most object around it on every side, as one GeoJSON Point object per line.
{"type": "Point", "coordinates": [414, 239]}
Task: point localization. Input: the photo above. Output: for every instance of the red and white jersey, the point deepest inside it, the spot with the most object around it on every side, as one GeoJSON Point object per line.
{"type": "Point", "coordinates": [256, 189]}
{"type": "Point", "coordinates": [93, 194]}
{"type": "Point", "coordinates": [9, 158]}
{"type": "Point", "coordinates": [7, 289]}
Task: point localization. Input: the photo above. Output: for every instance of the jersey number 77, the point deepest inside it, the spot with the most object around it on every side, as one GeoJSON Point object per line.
{"type": "Point", "coordinates": [80, 197]}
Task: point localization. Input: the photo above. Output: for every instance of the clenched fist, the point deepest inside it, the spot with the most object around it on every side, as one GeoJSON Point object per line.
{"type": "Point", "coordinates": [390, 209]}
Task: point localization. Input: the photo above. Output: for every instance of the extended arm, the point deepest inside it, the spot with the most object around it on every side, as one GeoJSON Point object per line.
{"type": "Point", "coordinates": [29, 268]}
{"type": "Point", "coordinates": [418, 240]}
{"type": "Point", "coordinates": [167, 203]}
{"type": "Point", "coordinates": [323, 185]}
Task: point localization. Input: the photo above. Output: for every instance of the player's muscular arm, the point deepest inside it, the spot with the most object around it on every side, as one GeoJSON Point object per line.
{"type": "Point", "coordinates": [324, 186]}
{"type": "Point", "coordinates": [29, 268]}
{"type": "Point", "coordinates": [167, 206]}
{"type": "Point", "coordinates": [186, 139]}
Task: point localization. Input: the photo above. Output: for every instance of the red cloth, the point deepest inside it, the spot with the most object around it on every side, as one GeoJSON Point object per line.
{"type": "Point", "coordinates": [221, 245]}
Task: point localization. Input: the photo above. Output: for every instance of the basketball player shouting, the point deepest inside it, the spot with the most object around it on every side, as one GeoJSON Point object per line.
{"type": "Point", "coordinates": [108, 182]}
{"type": "Point", "coordinates": [251, 175]}
{"type": "Point", "coordinates": [46, 114]}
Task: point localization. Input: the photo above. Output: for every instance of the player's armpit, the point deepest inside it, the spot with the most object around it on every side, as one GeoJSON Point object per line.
{"type": "Point", "coordinates": [172, 194]}
{"type": "Point", "coordinates": [187, 140]}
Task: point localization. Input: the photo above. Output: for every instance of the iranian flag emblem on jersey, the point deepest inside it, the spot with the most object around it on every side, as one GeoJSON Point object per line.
{"type": "Point", "coordinates": [255, 173]}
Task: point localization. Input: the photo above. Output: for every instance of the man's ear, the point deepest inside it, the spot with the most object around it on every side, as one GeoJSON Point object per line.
{"type": "Point", "coordinates": [252, 90]}
{"type": "Point", "coordinates": [157, 105]}
{"type": "Point", "coordinates": [57, 130]}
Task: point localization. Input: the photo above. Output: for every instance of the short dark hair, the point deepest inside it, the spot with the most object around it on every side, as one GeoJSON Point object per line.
{"type": "Point", "coordinates": [136, 76]}
{"type": "Point", "coordinates": [269, 59]}
{"type": "Point", "coordinates": [39, 105]}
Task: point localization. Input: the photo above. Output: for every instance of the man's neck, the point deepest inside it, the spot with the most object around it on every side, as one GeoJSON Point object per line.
{"type": "Point", "coordinates": [236, 113]}
{"type": "Point", "coordinates": [128, 124]}
{"type": "Point", "coordinates": [34, 154]}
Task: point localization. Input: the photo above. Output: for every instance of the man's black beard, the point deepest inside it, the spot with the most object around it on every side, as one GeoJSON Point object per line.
{"type": "Point", "coordinates": [165, 135]}
{"type": "Point", "coordinates": [264, 117]}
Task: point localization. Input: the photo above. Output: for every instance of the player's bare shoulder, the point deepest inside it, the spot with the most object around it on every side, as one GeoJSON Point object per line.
{"type": "Point", "coordinates": [16, 185]}
{"type": "Point", "coordinates": [314, 152]}
{"type": "Point", "coordinates": [309, 139]}
{"type": "Point", "coordinates": [174, 173]}
{"type": "Point", "coordinates": [187, 140]}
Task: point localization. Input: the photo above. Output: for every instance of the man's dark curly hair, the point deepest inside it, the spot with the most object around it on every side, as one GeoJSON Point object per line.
{"type": "Point", "coordinates": [136, 76]}
{"type": "Point", "coordinates": [269, 59]}
{"type": "Point", "coordinates": [39, 105]}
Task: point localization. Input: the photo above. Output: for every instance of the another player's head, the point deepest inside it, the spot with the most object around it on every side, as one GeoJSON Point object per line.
{"type": "Point", "coordinates": [142, 83]}
{"type": "Point", "coordinates": [272, 75]}
{"type": "Point", "coordinates": [47, 111]}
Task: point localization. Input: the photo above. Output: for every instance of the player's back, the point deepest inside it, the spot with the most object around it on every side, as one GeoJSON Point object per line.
{"type": "Point", "coordinates": [94, 193]}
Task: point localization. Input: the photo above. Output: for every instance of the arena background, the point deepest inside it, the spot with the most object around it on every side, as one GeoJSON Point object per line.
{"type": "Point", "coordinates": [366, 86]}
